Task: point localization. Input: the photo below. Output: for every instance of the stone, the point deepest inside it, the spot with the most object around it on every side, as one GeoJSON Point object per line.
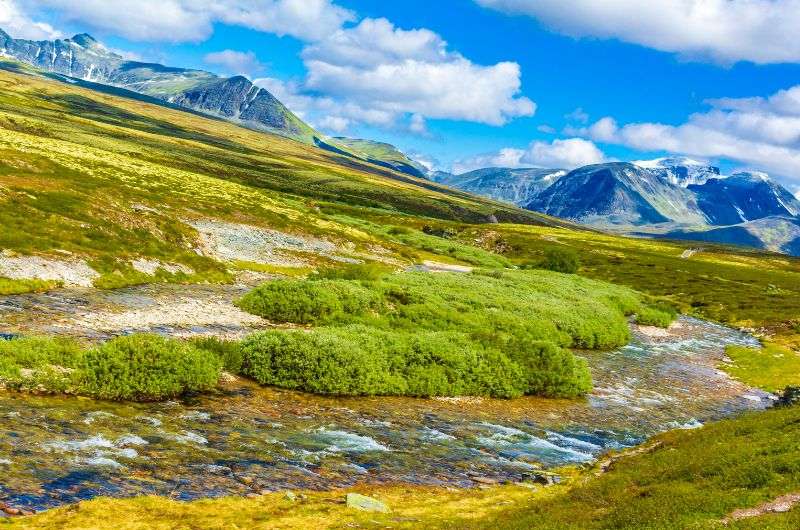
{"type": "Point", "coordinates": [290, 496]}
{"type": "Point", "coordinates": [484, 480]}
{"type": "Point", "coordinates": [364, 503]}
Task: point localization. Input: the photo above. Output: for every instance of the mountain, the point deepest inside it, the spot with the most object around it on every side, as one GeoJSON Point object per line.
{"type": "Point", "coordinates": [617, 193]}
{"type": "Point", "coordinates": [515, 185]}
{"type": "Point", "coordinates": [382, 154]}
{"type": "Point", "coordinates": [776, 233]}
{"type": "Point", "coordinates": [235, 99]}
{"type": "Point", "coordinates": [680, 171]}
{"type": "Point", "coordinates": [744, 197]}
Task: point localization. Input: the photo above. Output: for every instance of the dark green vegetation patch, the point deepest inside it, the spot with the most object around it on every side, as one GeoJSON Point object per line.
{"type": "Point", "coordinates": [138, 367]}
{"type": "Point", "coordinates": [503, 334]}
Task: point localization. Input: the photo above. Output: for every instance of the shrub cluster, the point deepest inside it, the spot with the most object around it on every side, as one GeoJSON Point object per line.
{"type": "Point", "coordinates": [358, 360]}
{"type": "Point", "coordinates": [306, 302]}
{"type": "Point", "coordinates": [147, 368]}
{"type": "Point", "coordinates": [660, 316]}
{"type": "Point", "coordinates": [445, 334]}
{"type": "Point", "coordinates": [138, 367]}
{"type": "Point", "coordinates": [560, 260]}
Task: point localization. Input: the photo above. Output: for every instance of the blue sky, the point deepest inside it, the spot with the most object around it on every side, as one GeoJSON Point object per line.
{"type": "Point", "coordinates": [518, 82]}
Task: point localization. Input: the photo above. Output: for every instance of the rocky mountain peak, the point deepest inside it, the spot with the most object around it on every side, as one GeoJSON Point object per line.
{"type": "Point", "coordinates": [85, 40]}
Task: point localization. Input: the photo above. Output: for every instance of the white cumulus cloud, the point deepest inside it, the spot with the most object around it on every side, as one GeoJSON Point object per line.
{"type": "Point", "coordinates": [759, 132]}
{"type": "Point", "coordinates": [760, 31]}
{"type": "Point", "coordinates": [566, 153]}
{"type": "Point", "coordinates": [192, 20]}
{"type": "Point", "coordinates": [234, 62]}
{"type": "Point", "coordinates": [19, 25]}
{"type": "Point", "coordinates": [379, 66]}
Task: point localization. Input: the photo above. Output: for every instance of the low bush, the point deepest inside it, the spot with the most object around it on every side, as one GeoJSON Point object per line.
{"type": "Point", "coordinates": [135, 368]}
{"type": "Point", "coordinates": [40, 363]}
{"type": "Point", "coordinates": [660, 316]}
{"type": "Point", "coordinates": [357, 360]}
{"type": "Point", "coordinates": [560, 260]}
{"type": "Point", "coordinates": [364, 271]}
{"type": "Point", "coordinates": [488, 333]}
{"type": "Point", "coordinates": [147, 367]}
{"type": "Point", "coordinates": [229, 352]}
{"type": "Point", "coordinates": [307, 302]}
{"type": "Point", "coordinates": [549, 370]}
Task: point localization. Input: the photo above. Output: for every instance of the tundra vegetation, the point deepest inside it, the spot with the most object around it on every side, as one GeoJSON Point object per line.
{"type": "Point", "coordinates": [502, 334]}
{"type": "Point", "coordinates": [108, 180]}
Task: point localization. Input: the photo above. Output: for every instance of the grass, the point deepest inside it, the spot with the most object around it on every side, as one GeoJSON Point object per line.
{"type": "Point", "coordinates": [772, 367]}
{"type": "Point", "coordinates": [9, 286]}
{"type": "Point", "coordinates": [690, 479]}
{"type": "Point", "coordinates": [75, 163]}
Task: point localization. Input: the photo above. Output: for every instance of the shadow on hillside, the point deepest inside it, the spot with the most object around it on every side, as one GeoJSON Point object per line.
{"type": "Point", "coordinates": [101, 112]}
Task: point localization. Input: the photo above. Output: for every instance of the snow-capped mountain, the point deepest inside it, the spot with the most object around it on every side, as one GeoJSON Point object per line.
{"type": "Point", "coordinates": [514, 185]}
{"type": "Point", "coordinates": [618, 193]}
{"type": "Point", "coordinates": [744, 197]}
{"type": "Point", "coordinates": [677, 196]}
{"type": "Point", "coordinates": [680, 171]}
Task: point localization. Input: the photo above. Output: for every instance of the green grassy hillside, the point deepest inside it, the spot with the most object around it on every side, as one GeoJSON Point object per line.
{"type": "Point", "coordinates": [109, 179]}
{"type": "Point", "coordinates": [106, 180]}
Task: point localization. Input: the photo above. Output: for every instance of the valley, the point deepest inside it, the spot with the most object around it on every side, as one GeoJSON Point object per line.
{"type": "Point", "coordinates": [341, 283]}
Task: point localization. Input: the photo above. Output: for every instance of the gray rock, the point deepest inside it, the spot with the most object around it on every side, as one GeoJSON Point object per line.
{"type": "Point", "coordinates": [367, 504]}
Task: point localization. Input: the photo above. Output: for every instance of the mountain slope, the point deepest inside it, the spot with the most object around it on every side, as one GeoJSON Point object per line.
{"type": "Point", "coordinates": [680, 171]}
{"type": "Point", "coordinates": [236, 98]}
{"type": "Point", "coordinates": [744, 197]}
{"type": "Point", "coordinates": [617, 193]}
{"type": "Point", "coordinates": [775, 233]}
{"type": "Point", "coordinates": [382, 154]}
{"type": "Point", "coordinates": [515, 185]}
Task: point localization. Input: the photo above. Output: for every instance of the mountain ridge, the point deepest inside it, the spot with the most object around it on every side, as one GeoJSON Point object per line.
{"type": "Point", "coordinates": [234, 98]}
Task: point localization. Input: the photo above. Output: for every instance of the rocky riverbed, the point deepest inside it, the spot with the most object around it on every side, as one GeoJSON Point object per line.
{"type": "Point", "coordinates": [247, 440]}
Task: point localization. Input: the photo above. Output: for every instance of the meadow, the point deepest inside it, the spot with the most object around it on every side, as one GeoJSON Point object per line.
{"type": "Point", "coordinates": [109, 179]}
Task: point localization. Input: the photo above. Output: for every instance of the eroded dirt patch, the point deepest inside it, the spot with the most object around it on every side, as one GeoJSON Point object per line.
{"type": "Point", "coordinates": [781, 504]}
{"type": "Point", "coordinates": [71, 273]}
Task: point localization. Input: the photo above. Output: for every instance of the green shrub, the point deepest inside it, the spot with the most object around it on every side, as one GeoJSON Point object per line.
{"type": "Point", "coordinates": [560, 260]}
{"type": "Point", "coordinates": [364, 271]}
{"type": "Point", "coordinates": [304, 302]}
{"type": "Point", "coordinates": [550, 370]}
{"type": "Point", "coordinates": [147, 367]}
{"type": "Point", "coordinates": [229, 352]}
{"type": "Point", "coordinates": [660, 316]}
{"type": "Point", "coordinates": [498, 334]}
{"type": "Point", "coordinates": [357, 360]}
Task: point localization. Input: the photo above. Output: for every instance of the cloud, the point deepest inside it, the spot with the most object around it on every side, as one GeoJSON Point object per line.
{"type": "Point", "coordinates": [233, 62]}
{"type": "Point", "coordinates": [544, 128]}
{"type": "Point", "coordinates": [380, 75]}
{"type": "Point", "coordinates": [578, 115]}
{"type": "Point", "coordinates": [371, 72]}
{"type": "Point", "coordinates": [559, 154]}
{"type": "Point", "coordinates": [759, 132]}
{"type": "Point", "coordinates": [336, 124]}
{"type": "Point", "coordinates": [193, 20]}
{"type": "Point", "coordinates": [381, 67]}
{"type": "Point", "coordinates": [20, 26]}
{"type": "Point", "coordinates": [726, 31]}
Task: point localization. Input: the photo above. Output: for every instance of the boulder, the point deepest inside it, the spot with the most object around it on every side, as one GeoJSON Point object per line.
{"type": "Point", "coordinates": [364, 503]}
